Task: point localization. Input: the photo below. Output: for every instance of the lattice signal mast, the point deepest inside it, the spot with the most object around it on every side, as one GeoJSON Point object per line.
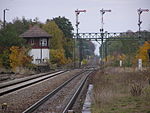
{"type": "Point", "coordinates": [102, 11]}
{"type": "Point", "coordinates": [77, 35]}
{"type": "Point", "coordinates": [139, 18]}
{"type": "Point", "coordinates": [77, 18]}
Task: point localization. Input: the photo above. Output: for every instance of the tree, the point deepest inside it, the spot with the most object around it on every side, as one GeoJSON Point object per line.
{"type": "Point", "coordinates": [10, 35]}
{"type": "Point", "coordinates": [4, 59]}
{"type": "Point", "coordinates": [65, 25]}
{"type": "Point", "coordinates": [20, 25]}
{"type": "Point", "coordinates": [19, 57]}
{"type": "Point", "coordinates": [8, 38]}
{"type": "Point", "coordinates": [56, 42]}
{"type": "Point", "coordinates": [68, 47]}
{"type": "Point", "coordinates": [88, 48]}
{"type": "Point", "coordinates": [125, 45]}
{"type": "Point", "coordinates": [1, 24]}
{"type": "Point", "coordinates": [58, 57]}
{"type": "Point", "coordinates": [143, 53]}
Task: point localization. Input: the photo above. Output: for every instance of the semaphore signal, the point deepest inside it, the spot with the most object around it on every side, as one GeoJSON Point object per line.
{"type": "Point", "coordinates": [139, 18]}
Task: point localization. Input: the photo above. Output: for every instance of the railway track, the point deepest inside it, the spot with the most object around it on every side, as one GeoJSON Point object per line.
{"type": "Point", "coordinates": [61, 99]}
{"type": "Point", "coordinates": [71, 102]}
{"type": "Point", "coordinates": [12, 86]}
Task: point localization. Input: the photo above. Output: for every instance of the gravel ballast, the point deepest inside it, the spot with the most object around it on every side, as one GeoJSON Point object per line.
{"type": "Point", "coordinates": [58, 102]}
{"type": "Point", "coordinates": [20, 100]}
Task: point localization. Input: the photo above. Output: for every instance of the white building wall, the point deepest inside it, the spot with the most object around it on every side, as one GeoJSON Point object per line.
{"type": "Point", "coordinates": [36, 54]}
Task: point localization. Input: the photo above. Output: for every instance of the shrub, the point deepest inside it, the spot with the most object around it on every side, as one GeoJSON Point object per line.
{"type": "Point", "coordinates": [58, 57]}
{"type": "Point", "coordinates": [4, 59]}
{"type": "Point", "coordinates": [19, 57]}
{"type": "Point", "coordinates": [136, 89]}
{"type": "Point", "coordinates": [143, 53]}
{"type": "Point", "coordinates": [84, 61]}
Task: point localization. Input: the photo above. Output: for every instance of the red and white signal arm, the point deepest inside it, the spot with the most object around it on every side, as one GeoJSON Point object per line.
{"type": "Point", "coordinates": [145, 10]}
{"type": "Point", "coordinates": [107, 10]}
{"type": "Point", "coordinates": [80, 10]}
{"type": "Point", "coordinates": [103, 11]}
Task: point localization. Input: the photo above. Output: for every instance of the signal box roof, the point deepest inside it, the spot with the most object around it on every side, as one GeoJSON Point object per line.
{"type": "Point", "coordinates": [35, 31]}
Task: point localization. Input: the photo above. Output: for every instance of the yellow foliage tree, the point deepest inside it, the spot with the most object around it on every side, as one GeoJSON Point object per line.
{"type": "Point", "coordinates": [122, 57]}
{"type": "Point", "coordinates": [57, 40]}
{"type": "Point", "coordinates": [58, 57]}
{"type": "Point", "coordinates": [18, 57]}
{"type": "Point", "coordinates": [143, 53]}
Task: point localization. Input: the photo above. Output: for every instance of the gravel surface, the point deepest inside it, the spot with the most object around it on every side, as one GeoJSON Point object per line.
{"type": "Point", "coordinates": [58, 102]}
{"type": "Point", "coordinates": [10, 77]}
{"type": "Point", "coordinates": [20, 100]}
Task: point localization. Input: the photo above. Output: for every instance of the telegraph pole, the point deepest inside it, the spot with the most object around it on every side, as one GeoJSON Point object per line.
{"type": "Point", "coordinates": [4, 21]}
{"type": "Point", "coordinates": [77, 35]}
{"type": "Point", "coordinates": [102, 11]}
{"type": "Point", "coordinates": [139, 19]}
{"type": "Point", "coordinates": [41, 49]}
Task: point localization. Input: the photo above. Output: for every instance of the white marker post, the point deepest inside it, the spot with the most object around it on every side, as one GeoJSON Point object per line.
{"type": "Point", "coordinates": [120, 63]}
{"type": "Point", "coordinates": [140, 64]}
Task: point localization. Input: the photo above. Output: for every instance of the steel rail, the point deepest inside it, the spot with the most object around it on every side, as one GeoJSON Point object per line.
{"type": "Point", "coordinates": [3, 92]}
{"type": "Point", "coordinates": [44, 99]}
{"type": "Point", "coordinates": [6, 84]}
{"type": "Point", "coordinates": [74, 97]}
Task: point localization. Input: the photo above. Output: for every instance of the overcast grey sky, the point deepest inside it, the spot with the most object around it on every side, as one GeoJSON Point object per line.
{"type": "Point", "coordinates": [122, 18]}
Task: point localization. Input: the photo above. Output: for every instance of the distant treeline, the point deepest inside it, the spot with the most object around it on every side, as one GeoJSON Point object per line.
{"type": "Point", "coordinates": [128, 48]}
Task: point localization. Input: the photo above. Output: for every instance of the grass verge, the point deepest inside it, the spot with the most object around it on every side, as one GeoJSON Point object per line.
{"type": "Point", "coordinates": [121, 91]}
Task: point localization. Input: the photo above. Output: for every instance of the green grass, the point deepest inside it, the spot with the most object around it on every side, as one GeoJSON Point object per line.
{"type": "Point", "coordinates": [119, 100]}
{"type": "Point", "coordinates": [125, 105]}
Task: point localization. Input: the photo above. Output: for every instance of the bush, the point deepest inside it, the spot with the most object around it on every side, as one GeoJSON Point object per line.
{"type": "Point", "coordinates": [84, 61]}
{"type": "Point", "coordinates": [19, 57]}
{"type": "Point", "coordinates": [4, 59]}
{"type": "Point", "coordinates": [58, 57]}
{"type": "Point", "coordinates": [136, 89]}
